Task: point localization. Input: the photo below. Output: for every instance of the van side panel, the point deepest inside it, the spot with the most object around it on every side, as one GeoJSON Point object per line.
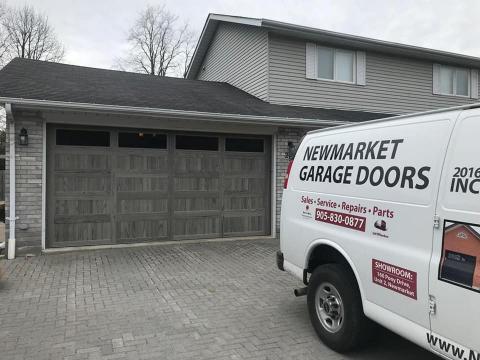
{"type": "Point", "coordinates": [372, 190]}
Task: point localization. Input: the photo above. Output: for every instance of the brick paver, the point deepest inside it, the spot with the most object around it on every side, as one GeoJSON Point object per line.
{"type": "Point", "coordinates": [222, 300]}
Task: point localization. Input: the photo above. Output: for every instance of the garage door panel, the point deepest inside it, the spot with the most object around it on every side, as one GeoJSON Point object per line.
{"type": "Point", "coordinates": [82, 207]}
{"type": "Point", "coordinates": [202, 203]}
{"type": "Point", "coordinates": [192, 227]}
{"type": "Point", "coordinates": [244, 184]}
{"type": "Point", "coordinates": [240, 165]}
{"type": "Point", "coordinates": [142, 229]}
{"type": "Point", "coordinates": [244, 224]}
{"type": "Point", "coordinates": [245, 202]}
{"type": "Point", "coordinates": [141, 183]}
{"type": "Point", "coordinates": [199, 183]}
{"type": "Point", "coordinates": [79, 160]}
{"type": "Point", "coordinates": [143, 162]}
{"type": "Point", "coordinates": [187, 162]}
{"type": "Point", "coordinates": [84, 184]}
{"type": "Point", "coordinates": [142, 205]}
{"type": "Point", "coordinates": [82, 233]}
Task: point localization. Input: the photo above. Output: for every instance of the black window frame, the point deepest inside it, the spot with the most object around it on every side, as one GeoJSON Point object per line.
{"type": "Point", "coordinates": [232, 144]}
{"type": "Point", "coordinates": [146, 136]}
{"type": "Point", "coordinates": [66, 137]}
{"type": "Point", "coordinates": [195, 144]}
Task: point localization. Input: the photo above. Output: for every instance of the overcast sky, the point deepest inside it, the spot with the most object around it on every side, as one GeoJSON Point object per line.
{"type": "Point", "coordinates": [94, 31]}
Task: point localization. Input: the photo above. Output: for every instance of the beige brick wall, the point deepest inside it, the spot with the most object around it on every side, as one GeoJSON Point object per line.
{"type": "Point", "coordinates": [29, 162]}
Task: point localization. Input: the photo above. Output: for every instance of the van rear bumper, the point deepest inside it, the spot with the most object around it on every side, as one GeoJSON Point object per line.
{"type": "Point", "coordinates": [280, 260]}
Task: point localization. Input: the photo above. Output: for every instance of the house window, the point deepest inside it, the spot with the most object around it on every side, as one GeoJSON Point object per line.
{"type": "Point", "coordinates": [340, 65]}
{"type": "Point", "coordinates": [455, 81]}
{"type": "Point", "coordinates": [335, 64]}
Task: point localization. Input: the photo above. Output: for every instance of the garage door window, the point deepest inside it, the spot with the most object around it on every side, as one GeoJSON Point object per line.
{"type": "Point", "coordinates": [244, 145]}
{"type": "Point", "coordinates": [142, 140]}
{"type": "Point", "coordinates": [82, 137]}
{"type": "Point", "coordinates": [185, 142]}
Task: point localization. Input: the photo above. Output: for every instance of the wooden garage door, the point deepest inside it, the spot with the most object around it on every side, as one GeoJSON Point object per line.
{"type": "Point", "coordinates": [109, 186]}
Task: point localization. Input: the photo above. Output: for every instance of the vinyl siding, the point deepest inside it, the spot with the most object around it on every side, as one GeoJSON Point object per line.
{"type": "Point", "coordinates": [238, 55]}
{"type": "Point", "coordinates": [393, 85]}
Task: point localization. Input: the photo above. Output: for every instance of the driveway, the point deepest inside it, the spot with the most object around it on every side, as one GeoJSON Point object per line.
{"type": "Point", "coordinates": [223, 300]}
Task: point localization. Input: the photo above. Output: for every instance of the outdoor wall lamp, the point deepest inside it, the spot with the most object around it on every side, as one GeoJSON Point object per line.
{"type": "Point", "coordinates": [23, 140]}
{"type": "Point", "coordinates": [291, 150]}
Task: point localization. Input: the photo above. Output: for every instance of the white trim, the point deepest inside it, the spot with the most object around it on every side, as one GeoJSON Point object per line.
{"type": "Point", "coordinates": [274, 186]}
{"type": "Point", "coordinates": [474, 83]}
{"type": "Point", "coordinates": [361, 68]}
{"type": "Point", "coordinates": [44, 182]}
{"type": "Point", "coordinates": [12, 216]}
{"type": "Point", "coordinates": [184, 114]}
{"type": "Point", "coordinates": [236, 19]}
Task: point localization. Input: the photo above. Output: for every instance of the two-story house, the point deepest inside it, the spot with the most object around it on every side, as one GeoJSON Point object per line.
{"type": "Point", "coordinates": [102, 157]}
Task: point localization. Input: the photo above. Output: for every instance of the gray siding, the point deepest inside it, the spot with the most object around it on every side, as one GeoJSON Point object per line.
{"type": "Point", "coordinates": [238, 55]}
{"type": "Point", "coordinates": [394, 85]}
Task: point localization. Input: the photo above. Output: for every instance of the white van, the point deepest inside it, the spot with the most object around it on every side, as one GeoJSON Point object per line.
{"type": "Point", "coordinates": [381, 221]}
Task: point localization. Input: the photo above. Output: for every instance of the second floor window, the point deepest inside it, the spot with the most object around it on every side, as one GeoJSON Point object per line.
{"type": "Point", "coordinates": [335, 64]}
{"type": "Point", "coordinates": [454, 81]}
{"type": "Point", "coordinates": [332, 64]}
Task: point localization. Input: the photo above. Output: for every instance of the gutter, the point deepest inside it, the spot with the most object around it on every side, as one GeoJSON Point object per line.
{"type": "Point", "coordinates": [12, 210]}
{"type": "Point", "coordinates": [170, 113]}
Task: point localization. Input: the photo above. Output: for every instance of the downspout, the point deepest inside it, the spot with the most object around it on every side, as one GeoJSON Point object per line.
{"type": "Point", "coordinates": [12, 213]}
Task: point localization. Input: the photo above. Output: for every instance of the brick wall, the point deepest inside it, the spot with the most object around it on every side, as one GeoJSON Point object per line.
{"type": "Point", "coordinates": [28, 169]}
{"type": "Point", "coordinates": [284, 135]}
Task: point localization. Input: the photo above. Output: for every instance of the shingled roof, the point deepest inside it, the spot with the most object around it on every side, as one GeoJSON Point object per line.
{"type": "Point", "coordinates": [40, 80]}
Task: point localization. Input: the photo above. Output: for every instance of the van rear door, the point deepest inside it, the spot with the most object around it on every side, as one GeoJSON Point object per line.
{"type": "Point", "coordinates": [455, 264]}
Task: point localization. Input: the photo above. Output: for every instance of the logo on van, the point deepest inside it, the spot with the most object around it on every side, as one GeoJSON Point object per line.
{"type": "Point", "coordinates": [381, 225]}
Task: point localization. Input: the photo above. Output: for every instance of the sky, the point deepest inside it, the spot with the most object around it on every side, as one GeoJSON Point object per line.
{"type": "Point", "coordinates": [94, 31]}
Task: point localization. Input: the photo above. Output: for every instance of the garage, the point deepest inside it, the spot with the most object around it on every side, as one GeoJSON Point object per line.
{"type": "Point", "coordinates": [111, 186]}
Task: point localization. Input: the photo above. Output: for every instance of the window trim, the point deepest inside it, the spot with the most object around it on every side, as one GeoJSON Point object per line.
{"type": "Point", "coordinates": [354, 65]}
{"type": "Point", "coordinates": [454, 79]}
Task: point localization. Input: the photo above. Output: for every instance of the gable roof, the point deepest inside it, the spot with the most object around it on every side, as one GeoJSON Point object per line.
{"type": "Point", "coordinates": [323, 36]}
{"type": "Point", "coordinates": [40, 81]}
{"type": "Point", "coordinates": [474, 230]}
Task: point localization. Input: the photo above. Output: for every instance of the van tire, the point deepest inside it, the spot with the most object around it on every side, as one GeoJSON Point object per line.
{"type": "Point", "coordinates": [354, 328]}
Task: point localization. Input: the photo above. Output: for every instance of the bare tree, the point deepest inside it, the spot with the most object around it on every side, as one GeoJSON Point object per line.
{"type": "Point", "coordinates": [29, 35]}
{"type": "Point", "coordinates": [158, 46]}
{"type": "Point", "coordinates": [3, 33]}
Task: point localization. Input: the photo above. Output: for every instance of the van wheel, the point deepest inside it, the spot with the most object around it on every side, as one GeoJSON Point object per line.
{"type": "Point", "coordinates": [335, 308]}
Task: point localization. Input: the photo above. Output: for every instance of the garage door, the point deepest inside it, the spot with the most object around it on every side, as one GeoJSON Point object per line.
{"type": "Point", "coordinates": [107, 186]}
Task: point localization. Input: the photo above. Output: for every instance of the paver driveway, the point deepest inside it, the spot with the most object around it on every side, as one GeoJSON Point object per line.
{"type": "Point", "coordinates": [222, 300]}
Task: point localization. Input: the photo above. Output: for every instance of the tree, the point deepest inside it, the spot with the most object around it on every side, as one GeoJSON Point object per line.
{"type": "Point", "coordinates": [3, 33]}
{"type": "Point", "coordinates": [158, 45]}
{"type": "Point", "coordinates": [29, 35]}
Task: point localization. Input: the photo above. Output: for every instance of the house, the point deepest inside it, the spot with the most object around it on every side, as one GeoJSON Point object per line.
{"type": "Point", "coordinates": [461, 255]}
{"type": "Point", "coordinates": [103, 157]}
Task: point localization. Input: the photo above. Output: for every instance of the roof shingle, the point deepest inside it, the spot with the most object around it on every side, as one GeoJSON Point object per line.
{"type": "Point", "coordinates": [40, 80]}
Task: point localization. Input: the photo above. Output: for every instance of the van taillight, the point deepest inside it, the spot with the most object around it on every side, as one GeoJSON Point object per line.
{"type": "Point", "coordinates": [285, 182]}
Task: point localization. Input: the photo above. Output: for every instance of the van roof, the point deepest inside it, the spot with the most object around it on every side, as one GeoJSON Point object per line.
{"type": "Point", "coordinates": [393, 118]}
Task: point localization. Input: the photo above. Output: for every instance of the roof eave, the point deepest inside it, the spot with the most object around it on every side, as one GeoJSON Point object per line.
{"type": "Point", "coordinates": [33, 104]}
{"type": "Point", "coordinates": [326, 36]}
{"type": "Point", "coordinates": [207, 34]}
